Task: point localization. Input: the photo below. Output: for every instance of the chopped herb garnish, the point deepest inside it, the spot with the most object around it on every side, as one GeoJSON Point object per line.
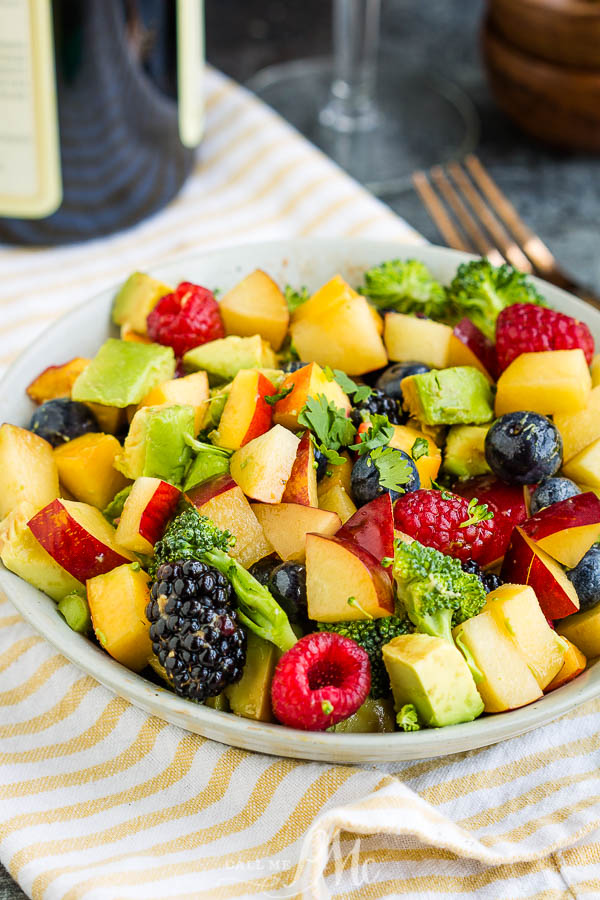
{"type": "Point", "coordinates": [272, 399]}
{"type": "Point", "coordinates": [393, 467]}
{"type": "Point", "coordinates": [358, 392]}
{"type": "Point", "coordinates": [331, 428]}
{"type": "Point", "coordinates": [435, 486]}
{"type": "Point", "coordinates": [478, 512]}
{"type": "Point", "coordinates": [419, 448]}
{"type": "Point", "coordinates": [293, 298]}
{"type": "Point", "coordinates": [201, 447]}
{"type": "Point", "coordinates": [379, 434]}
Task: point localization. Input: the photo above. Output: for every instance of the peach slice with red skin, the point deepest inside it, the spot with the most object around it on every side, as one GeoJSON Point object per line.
{"type": "Point", "coordinates": [526, 563]}
{"type": "Point", "coordinates": [470, 347]}
{"type": "Point", "coordinates": [573, 665]}
{"type": "Point", "coordinates": [372, 528]}
{"type": "Point", "coordinates": [223, 502]}
{"type": "Point", "coordinates": [287, 524]}
{"type": "Point", "coordinates": [567, 529]}
{"type": "Point", "coordinates": [309, 381]}
{"type": "Point", "coordinates": [56, 381]}
{"type": "Point", "coordinates": [146, 512]}
{"type": "Point", "coordinates": [246, 414]}
{"type": "Point", "coordinates": [263, 466]}
{"type": "Point", "coordinates": [78, 538]}
{"type": "Point", "coordinates": [338, 570]}
{"type": "Point", "coordinates": [301, 486]}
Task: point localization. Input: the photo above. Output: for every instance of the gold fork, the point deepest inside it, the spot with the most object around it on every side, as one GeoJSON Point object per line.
{"type": "Point", "coordinates": [483, 220]}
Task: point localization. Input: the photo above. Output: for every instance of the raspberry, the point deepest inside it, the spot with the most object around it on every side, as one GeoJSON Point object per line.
{"type": "Point", "coordinates": [186, 318]}
{"type": "Point", "coordinates": [323, 679]}
{"type": "Point", "coordinates": [527, 328]}
{"type": "Point", "coordinates": [434, 518]}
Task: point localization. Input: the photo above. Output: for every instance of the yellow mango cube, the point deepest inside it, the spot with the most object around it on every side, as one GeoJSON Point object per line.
{"type": "Point", "coordinates": [585, 467]}
{"type": "Point", "coordinates": [549, 383]}
{"type": "Point", "coordinates": [408, 338]}
{"type": "Point", "coordinates": [338, 500]}
{"type": "Point", "coordinates": [583, 630]}
{"type": "Point", "coordinates": [595, 370]}
{"type": "Point", "coordinates": [337, 475]}
{"type": "Point", "coordinates": [86, 468]}
{"type": "Point", "coordinates": [428, 466]}
{"type": "Point", "coordinates": [581, 427]}
{"type": "Point", "coordinates": [118, 603]}
{"type": "Point", "coordinates": [256, 306]}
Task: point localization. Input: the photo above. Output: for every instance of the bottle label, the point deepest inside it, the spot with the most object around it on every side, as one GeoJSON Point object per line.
{"type": "Point", "coordinates": [190, 70]}
{"type": "Point", "coordinates": [30, 176]}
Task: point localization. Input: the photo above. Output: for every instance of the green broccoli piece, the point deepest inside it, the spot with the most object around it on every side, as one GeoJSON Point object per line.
{"type": "Point", "coordinates": [192, 536]}
{"type": "Point", "coordinates": [434, 590]}
{"type": "Point", "coordinates": [407, 719]}
{"type": "Point", "coordinates": [480, 291]}
{"type": "Point", "coordinates": [405, 286]}
{"type": "Point", "coordinates": [371, 635]}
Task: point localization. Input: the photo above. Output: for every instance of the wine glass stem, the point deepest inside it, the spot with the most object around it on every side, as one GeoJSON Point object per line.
{"type": "Point", "coordinates": [352, 106]}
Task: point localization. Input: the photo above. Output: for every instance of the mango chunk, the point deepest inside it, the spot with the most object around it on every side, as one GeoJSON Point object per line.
{"type": "Point", "coordinates": [583, 630]}
{"type": "Point", "coordinates": [550, 383]}
{"type": "Point", "coordinates": [338, 500]}
{"type": "Point", "coordinates": [117, 602]}
{"type": "Point", "coordinates": [256, 306]}
{"type": "Point", "coordinates": [56, 381]}
{"type": "Point", "coordinates": [86, 468]}
{"type": "Point", "coordinates": [408, 338]}
{"type": "Point", "coordinates": [585, 467]}
{"type": "Point", "coordinates": [580, 428]}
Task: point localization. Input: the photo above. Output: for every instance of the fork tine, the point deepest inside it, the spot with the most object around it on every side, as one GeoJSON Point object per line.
{"type": "Point", "coordinates": [438, 176]}
{"type": "Point", "coordinates": [507, 245]}
{"type": "Point", "coordinates": [533, 246]}
{"type": "Point", "coordinates": [438, 213]}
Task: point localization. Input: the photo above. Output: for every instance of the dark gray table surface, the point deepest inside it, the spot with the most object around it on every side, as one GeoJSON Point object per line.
{"type": "Point", "coordinates": [558, 193]}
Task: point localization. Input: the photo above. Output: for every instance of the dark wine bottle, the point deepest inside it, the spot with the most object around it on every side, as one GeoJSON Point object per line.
{"type": "Point", "coordinates": [100, 113]}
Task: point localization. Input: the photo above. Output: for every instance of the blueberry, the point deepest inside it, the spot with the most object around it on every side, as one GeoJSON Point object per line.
{"type": "Point", "coordinates": [552, 490]}
{"type": "Point", "coordinates": [288, 586]}
{"type": "Point", "coordinates": [585, 578]}
{"type": "Point", "coordinates": [322, 463]}
{"type": "Point", "coordinates": [390, 381]}
{"type": "Point", "coordinates": [262, 569]}
{"type": "Point", "coordinates": [365, 479]}
{"type": "Point", "coordinates": [523, 448]}
{"type": "Point", "coordinates": [61, 420]}
{"type": "Point", "coordinates": [293, 365]}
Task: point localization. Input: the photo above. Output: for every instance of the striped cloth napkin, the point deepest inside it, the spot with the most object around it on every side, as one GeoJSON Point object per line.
{"type": "Point", "coordinates": [99, 801]}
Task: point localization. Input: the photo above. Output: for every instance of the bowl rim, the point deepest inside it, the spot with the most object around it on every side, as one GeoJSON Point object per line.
{"type": "Point", "coordinates": [40, 612]}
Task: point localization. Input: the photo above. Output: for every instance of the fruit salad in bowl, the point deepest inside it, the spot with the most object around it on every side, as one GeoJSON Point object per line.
{"type": "Point", "coordinates": [368, 507]}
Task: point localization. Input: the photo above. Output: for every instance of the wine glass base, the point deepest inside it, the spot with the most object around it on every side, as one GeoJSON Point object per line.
{"type": "Point", "coordinates": [420, 121]}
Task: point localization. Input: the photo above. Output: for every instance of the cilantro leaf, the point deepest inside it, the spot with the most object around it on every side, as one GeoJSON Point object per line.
{"type": "Point", "coordinates": [380, 433]}
{"type": "Point", "coordinates": [436, 486]}
{"type": "Point", "coordinates": [293, 298]}
{"type": "Point", "coordinates": [359, 392]}
{"type": "Point", "coordinates": [272, 399]}
{"type": "Point", "coordinates": [329, 425]}
{"type": "Point", "coordinates": [394, 468]}
{"type": "Point", "coordinates": [478, 512]}
{"type": "Point", "coordinates": [419, 448]}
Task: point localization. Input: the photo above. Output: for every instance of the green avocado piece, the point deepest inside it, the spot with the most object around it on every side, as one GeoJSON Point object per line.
{"type": "Point", "coordinates": [156, 444]}
{"type": "Point", "coordinates": [431, 673]}
{"type": "Point", "coordinates": [222, 359]}
{"type": "Point", "coordinates": [374, 716]}
{"type": "Point", "coordinates": [464, 455]}
{"type": "Point", "coordinates": [250, 697]}
{"type": "Point", "coordinates": [219, 702]}
{"type": "Point", "coordinates": [136, 299]}
{"type": "Point", "coordinates": [122, 373]}
{"type": "Point", "coordinates": [204, 467]}
{"type": "Point", "coordinates": [457, 396]}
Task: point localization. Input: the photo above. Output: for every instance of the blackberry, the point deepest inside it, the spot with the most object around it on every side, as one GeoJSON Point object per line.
{"type": "Point", "coordinates": [489, 580]}
{"type": "Point", "coordinates": [378, 404]}
{"type": "Point", "coordinates": [194, 629]}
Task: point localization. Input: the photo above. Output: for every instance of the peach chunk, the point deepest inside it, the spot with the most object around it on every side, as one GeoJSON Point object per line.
{"type": "Point", "coordinates": [338, 500]}
{"type": "Point", "coordinates": [585, 467]}
{"type": "Point", "coordinates": [145, 515]}
{"type": "Point", "coordinates": [583, 630]}
{"type": "Point", "coordinates": [573, 665]}
{"type": "Point", "coordinates": [86, 468]}
{"type": "Point", "coordinates": [566, 530]}
{"type": "Point", "coordinates": [263, 466]}
{"type": "Point", "coordinates": [56, 381]}
{"type": "Point", "coordinates": [302, 483]}
{"type": "Point", "coordinates": [550, 383]}
{"type": "Point", "coordinates": [309, 381]}
{"type": "Point", "coordinates": [287, 524]}
{"type": "Point", "coordinates": [580, 428]}
{"type": "Point", "coordinates": [191, 390]}
{"type": "Point", "coordinates": [27, 469]}
{"type": "Point", "coordinates": [256, 306]}
{"type": "Point", "coordinates": [526, 563]}
{"type": "Point", "coordinates": [246, 414]}
{"type": "Point", "coordinates": [408, 338]}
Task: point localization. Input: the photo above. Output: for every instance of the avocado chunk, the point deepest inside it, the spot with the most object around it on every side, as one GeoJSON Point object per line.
{"type": "Point", "coordinates": [157, 443]}
{"type": "Point", "coordinates": [431, 673]}
{"type": "Point", "coordinates": [465, 455]}
{"type": "Point", "coordinates": [123, 372]}
{"type": "Point", "coordinates": [136, 299]}
{"type": "Point", "coordinates": [204, 467]}
{"type": "Point", "coordinates": [220, 702]}
{"type": "Point", "coordinates": [250, 697]}
{"type": "Point", "coordinates": [460, 395]}
{"type": "Point", "coordinates": [374, 716]}
{"type": "Point", "coordinates": [224, 358]}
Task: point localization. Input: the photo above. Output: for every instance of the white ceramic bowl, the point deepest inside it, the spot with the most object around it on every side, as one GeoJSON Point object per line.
{"type": "Point", "coordinates": [299, 262]}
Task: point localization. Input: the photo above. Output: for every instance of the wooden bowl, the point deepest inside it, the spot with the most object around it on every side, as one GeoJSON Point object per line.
{"type": "Point", "coordinates": [562, 31]}
{"type": "Point", "coordinates": [552, 102]}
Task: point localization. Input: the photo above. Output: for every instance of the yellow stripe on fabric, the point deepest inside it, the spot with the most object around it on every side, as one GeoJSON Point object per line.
{"type": "Point", "coordinates": [40, 677]}
{"type": "Point", "coordinates": [105, 723]}
{"type": "Point", "coordinates": [6, 621]}
{"type": "Point", "coordinates": [19, 648]}
{"type": "Point", "coordinates": [325, 214]}
{"type": "Point", "coordinates": [527, 829]}
{"type": "Point", "coordinates": [299, 820]}
{"type": "Point", "coordinates": [127, 759]}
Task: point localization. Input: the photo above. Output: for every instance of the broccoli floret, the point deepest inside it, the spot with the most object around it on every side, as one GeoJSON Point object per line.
{"type": "Point", "coordinates": [371, 635]}
{"type": "Point", "coordinates": [407, 719]}
{"type": "Point", "coordinates": [481, 291]}
{"type": "Point", "coordinates": [406, 286]}
{"type": "Point", "coordinates": [192, 536]}
{"type": "Point", "coordinates": [434, 590]}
